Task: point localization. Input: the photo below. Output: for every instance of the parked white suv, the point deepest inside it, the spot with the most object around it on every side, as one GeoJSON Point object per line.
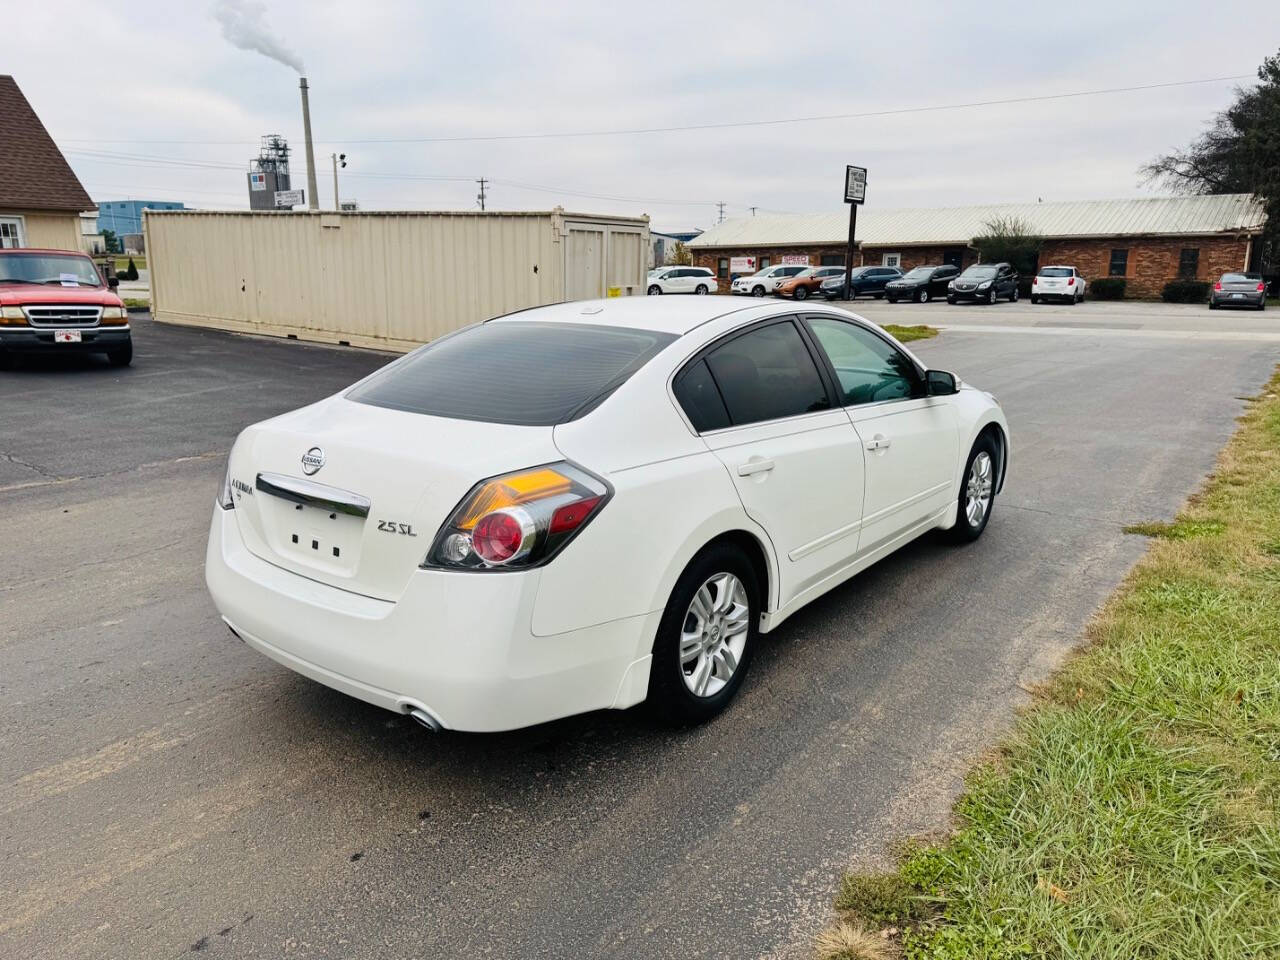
{"type": "Point", "coordinates": [766, 281]}
{"type": "Point", "coordinates": [1058, 282]}
{"type": "Point", "coordinates": [681, 280]}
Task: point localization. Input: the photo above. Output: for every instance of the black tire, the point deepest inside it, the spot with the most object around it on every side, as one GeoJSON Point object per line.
{"type": "Point", "coordinates": [1262, 305]}
{"type": "Point", "coordinates": [991, 295]}
{"type": "Point", "coordinates": [1013, 297]}
{"type": "Point", "coordinates": [701, 290]}
{"type": "Point", "coordinates": [670, 699]}
{"type": "Point", "coordinates": [1034, 299]}
{"type": "Point", "coordinates": [922, 296]}
{"type": "Point", "coordinates": [121, 356]}
{"type": "Point", "coordinates": [965, 531]}
{"type": "Point", "coordinates": [892, 299]}
{"type": "Point", "coordinates": [1212, 305]}
{"type": "Point", "coordinates": [802, 293]}
{"type": "Point", "coordinates": [655, 290]}
{"type": "Point", "coordinates": [951, 300]}
{"type": "Point", "coordinates": [879, 296]}
{"type": "Point", "coordinates": [7, 360]}
{"type": "Point", "coordinates": [757, 291]}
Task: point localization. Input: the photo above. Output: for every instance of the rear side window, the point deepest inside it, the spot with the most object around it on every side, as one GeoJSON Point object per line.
{"type": "Point", "coordinates": [700, 399]}
{"type": "Point", "coordinates": [767, 374]}
{"type": "Point", "coordinates": [519, 372]}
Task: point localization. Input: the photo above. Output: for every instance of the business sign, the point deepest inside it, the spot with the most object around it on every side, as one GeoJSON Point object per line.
{"type": "Point", "coordinates": [289, 198]}
{"type": "Point", "coordinates": [257, 181]}
{"type": "Point", "coordinates": [742, 264]}
{"type": "Point", "coordinates": [855, 184]}
{"type": "Point", "coordinates": [795, 259]}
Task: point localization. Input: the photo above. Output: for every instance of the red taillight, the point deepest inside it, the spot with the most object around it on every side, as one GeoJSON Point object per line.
{"type": "Point", "coordinates": [497, 536]}
{"type": "Point", "coordinates": [1071, 282]}
{"type": "Point", "coordinates": [1262, 288]}
{"type": "Point", "coordinates": [571, 515]}
{"type": "Point", "coordinates": [1217, 286]}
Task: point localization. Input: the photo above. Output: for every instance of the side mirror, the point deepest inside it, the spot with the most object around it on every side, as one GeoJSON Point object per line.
{"type": "Point", "coordinates": [113, 282]}
{"type": "Point", "coordinates": [940, 383]}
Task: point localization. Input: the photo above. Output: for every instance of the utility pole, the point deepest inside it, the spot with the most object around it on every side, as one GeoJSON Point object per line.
{"type": "Point", "coordinates": [337, 158]}
{"type": "Point", "coordinates": [480, 196]}
{"type": "Point", "coordinates": [720, 207]}
{"type": "Point", "coordinates": [753, 211]}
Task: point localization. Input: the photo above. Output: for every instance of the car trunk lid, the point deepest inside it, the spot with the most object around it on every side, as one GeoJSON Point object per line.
{"type": "Point", "coordinates": [376, 487]}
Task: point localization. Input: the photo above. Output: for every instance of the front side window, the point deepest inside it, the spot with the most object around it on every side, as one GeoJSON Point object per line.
{"type": "Point", "coordinates": [1119, 263]}
{"type": "Point", "coordinates": [868, 368]}
{"type": "Point", "coordinates": [519, 372]}
{"type": "Point", "coordinates": [766, 374]}
{"type": "Point", "coordinates": [1189, 263]}
{"type": "Point", "coordinates": [722, 267]}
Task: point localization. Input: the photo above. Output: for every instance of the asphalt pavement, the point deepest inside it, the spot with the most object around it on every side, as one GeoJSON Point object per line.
{"type": "Point", "coordinates": [165, 790]}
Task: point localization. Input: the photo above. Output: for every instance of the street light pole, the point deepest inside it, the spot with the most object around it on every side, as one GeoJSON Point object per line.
{"type": "Point", "coordinates": [337, 158]}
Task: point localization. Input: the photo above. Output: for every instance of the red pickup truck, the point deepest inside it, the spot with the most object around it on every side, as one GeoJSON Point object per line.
{"type": "Point", "coordinates": [55, 300]}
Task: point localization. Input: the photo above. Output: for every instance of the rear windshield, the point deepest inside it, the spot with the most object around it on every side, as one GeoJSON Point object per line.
{"type": "Point", "coordinates": [1056, 272]}
{"type": "Point", "coordinates": [519, 372]}
{"type": "Point", "coordinates": [1241, 278]}
{"type": "Point", "coordinates": [49, 268]}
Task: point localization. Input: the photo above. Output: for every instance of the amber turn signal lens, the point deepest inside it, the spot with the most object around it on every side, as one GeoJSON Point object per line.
{"type": "Point", "coordinates": [12, 317]}
{"type": "Point", "coordinates": [512, 490]}
{"type": "Point", "coordinates": [113, 317]}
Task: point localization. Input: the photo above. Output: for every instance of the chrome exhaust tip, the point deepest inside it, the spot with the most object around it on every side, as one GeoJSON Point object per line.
{"type": "Point", "coordinates": [425, 719]}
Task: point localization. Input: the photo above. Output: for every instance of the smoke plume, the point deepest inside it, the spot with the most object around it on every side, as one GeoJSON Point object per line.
{"type": "Point", "coordinates": [244, 24]}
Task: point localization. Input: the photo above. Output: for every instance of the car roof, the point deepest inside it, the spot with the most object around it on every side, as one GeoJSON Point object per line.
{"type": "Point", "coordinates": [677, 315]}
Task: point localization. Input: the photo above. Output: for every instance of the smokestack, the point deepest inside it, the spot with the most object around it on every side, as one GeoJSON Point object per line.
{"type": "Point", "coordinates": [312, 201]}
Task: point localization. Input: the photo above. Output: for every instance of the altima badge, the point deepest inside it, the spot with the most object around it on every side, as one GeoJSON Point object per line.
{"type": "Point", "coordinates": [312, 461]}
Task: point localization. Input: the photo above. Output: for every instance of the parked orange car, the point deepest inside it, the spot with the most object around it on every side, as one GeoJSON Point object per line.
{"type": "Point", "coordinates": [805, 284]}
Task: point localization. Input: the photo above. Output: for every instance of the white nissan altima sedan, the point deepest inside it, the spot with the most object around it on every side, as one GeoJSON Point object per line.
{"type": "Point", "coordinates": [589, 505]}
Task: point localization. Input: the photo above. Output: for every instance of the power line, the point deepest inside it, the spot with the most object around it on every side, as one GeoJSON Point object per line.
{"type": "Point", "coordinates": [820, 118]}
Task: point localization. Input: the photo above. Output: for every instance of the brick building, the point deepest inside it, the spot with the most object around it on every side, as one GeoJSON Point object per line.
{"type": "Point", "coordinates": [1148, 241]}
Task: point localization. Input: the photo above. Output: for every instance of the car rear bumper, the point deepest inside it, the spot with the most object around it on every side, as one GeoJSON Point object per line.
{"type": "Point", "coordinates": [457, 645]}
{"type": "Point", "coordinates": [1228, 298]}
{"type": "Point", "coordinates": [34, 339]}
{"type": "Point", "coordinates": [1063, 293]}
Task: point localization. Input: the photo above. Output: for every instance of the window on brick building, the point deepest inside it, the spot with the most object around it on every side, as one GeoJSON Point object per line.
{"type": "Point", "coordinates": [1119, 263]}
{"type": "Point", "coordinates": [832, 260]}
{"type": "Point", "coordinates": [891, 260]}
{"type": "Point", "coordinates": [1189, 262]}
{"type": "Point", "coordinates": [764, 263]}
{"type": "Point", "coordinates": [722, 268]}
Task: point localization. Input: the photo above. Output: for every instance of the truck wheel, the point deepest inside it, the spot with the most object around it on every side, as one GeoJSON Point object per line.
{"type": "Point", "coordinates": [121, 356]}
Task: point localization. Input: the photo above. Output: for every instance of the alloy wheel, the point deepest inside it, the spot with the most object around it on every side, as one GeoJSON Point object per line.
{"type": "Point", "coordinates": [714, 634]}
{"type": "Point", "coordinates": [978, 489]}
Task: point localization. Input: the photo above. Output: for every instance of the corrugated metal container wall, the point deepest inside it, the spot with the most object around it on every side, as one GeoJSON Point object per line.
{"type": "Point", "coordinates": [391, 280]}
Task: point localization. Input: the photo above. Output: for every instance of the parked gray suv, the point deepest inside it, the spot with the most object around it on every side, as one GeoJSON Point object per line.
{"type": "Point", "coordinates": [986, 282]}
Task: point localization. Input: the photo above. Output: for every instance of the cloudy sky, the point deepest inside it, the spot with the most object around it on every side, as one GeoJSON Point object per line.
{"type": "Point", "coordinates": [149, 100]}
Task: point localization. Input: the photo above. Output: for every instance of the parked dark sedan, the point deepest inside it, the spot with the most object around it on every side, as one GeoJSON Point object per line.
{"type": "Point", "coordinates": [864, 280]}
{"type": "Point", "coordinates": [987, 282]}
{"type": "Point", "coordinates": [921, 284]}
{"type": "Point", "coordinates": [1239, 290]}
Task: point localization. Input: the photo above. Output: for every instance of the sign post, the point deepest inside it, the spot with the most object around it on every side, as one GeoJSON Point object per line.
{"type": "Point", "coordinates": [855, 192]}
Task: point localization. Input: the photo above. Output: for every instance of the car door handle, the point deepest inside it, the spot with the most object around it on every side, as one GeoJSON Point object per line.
{"type": "Point", "coordinates": [755, 465]}
{"type": "Point", "coordinates": [879, 442]}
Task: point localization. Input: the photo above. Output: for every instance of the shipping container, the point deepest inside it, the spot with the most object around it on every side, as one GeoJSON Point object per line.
{"type": "Point", "coordinates": [390, 280]}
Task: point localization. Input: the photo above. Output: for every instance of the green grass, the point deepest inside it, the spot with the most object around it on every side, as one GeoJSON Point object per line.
{"type": "Point", "coordinates": [1135, 810]}
{"type": "Point", "coordinates": [122, 263]}
{"type": "Point", "coordinates": [135, 302]}
{"type": "Point", "coordinates": [907, 334]}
